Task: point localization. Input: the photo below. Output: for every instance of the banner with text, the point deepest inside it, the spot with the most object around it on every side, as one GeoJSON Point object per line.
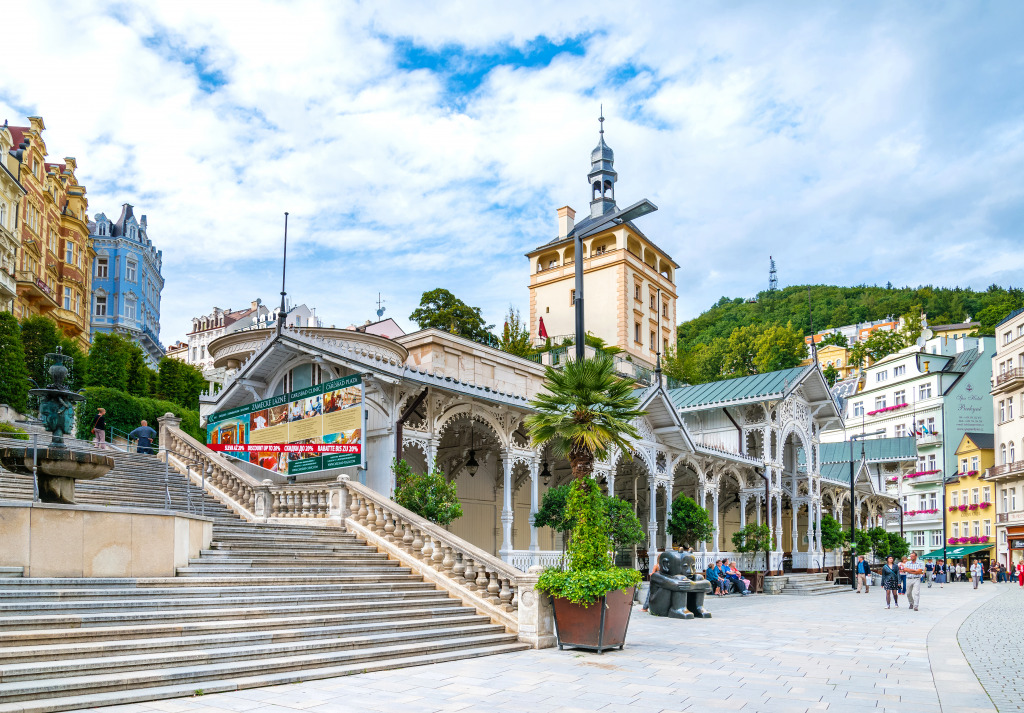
{"type": "Point", "coordinates": [311, 429]}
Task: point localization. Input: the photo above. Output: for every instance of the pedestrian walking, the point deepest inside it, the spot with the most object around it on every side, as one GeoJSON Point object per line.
{"type": "Point", "coordinates": [99, 429]}
{"type": "Point", "coordinates": [903, 576]}
{"type": "Point", "coordinates": [891, 582]}
{"type": "Point", "coordinates": [914, 572]}
{"type": "Point", "coordinates": [1020, 573]}
{"type": "Point", "coordinates": [976, 571]}
{"type": "Point", "coordinates": [863, 574]}
{"type": "Point", "coordinates": [929, 573]}
{"type": "Point", "coordinates": [144, 435]}
{"type": "Point", "coordinates": [940, 573]}
{"type": "Point", "coordinates": [961, 572]}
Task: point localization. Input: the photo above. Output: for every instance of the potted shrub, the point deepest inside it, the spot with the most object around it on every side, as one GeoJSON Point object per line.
{"type": "Point", "coordinates": [585, 410]}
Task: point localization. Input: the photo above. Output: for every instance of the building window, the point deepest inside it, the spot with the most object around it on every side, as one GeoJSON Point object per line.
{"type": "Point", "coordinates": [78, 302]}
{"type": "Point", "coordinates": [129, 309]}
{"type": "Point", "coordinates": [924, 392]}
{"type": "Point", "coordinates": [202, 351]}
{"type": "Point", "coordinates": [933, 502]}
{"type": "Point", "coordinates": [1013, 458]}
{"type": "Point", "coordinates": [664, 309]}
{"type": "Point", "coordinates": [900, 397]}
{"type": "Point", "coordinates": [195, 353]}
{"type": "Point", "coordinates": [936, 538]}
{"type": "Point", "coordinates": [986, 494]}
{"type": "Point", "coordinates": [101, 305]}
{"type": "Point", "coordinates": [899, 370]}
{"type": "Point", "coordinates": [1002, 454]}
{"type": "Point", "coordinates": [1006, 338]}
{"type": "Point", "coordinates": [1006, 500]}
{"type": "Point", "coordinates": [664, 349]}
{"type": "Point", "coordinates": [1013, 498]}
{"type": "Point", "coordinates": [131, 270]}
{"type": "Point", "coordinates": [879, 402]}
{"type": "Point", "coordinates": [69, 253]}
{"type": "Point", "coordinates": [654, 340]}
{"type": "Point", "coordinates": [67, 298]}
{"type": "Point", "coordinates": [932, 465]}
{"type": "Point", "coordinates": [977, 528]}
{"type": "Point", "coordinates": [1002, 411]}
{"type": "Point", "coordinates": [963, 465]}
{"type": "Point", "coordinates": [919, 538]}
{"type": "Point", "coordinates": [636, 292]}
{"type": "Point", "coordinates": [900, 430]}
{"type": "Point", "coordinates": [3, 215]}
{"type": "Point", "coordinates": [654, 305]}
{"type": "Point", "coordinates": [636, 333]}
{"type": "Point", "coordinates": [974, 496]}
{"type": "Point", "coordinates": [881, 375]}
{"type": "Point", "coordinates": [858, 408]}
{"type": "Point", "coordinates": [956, 529]}
{"type": "Point", "coordinates": [572, 297]}
{"type": "Point", "coordinates": [954, 498]}
{"type": "Point", "coordinates": [1009, 409]}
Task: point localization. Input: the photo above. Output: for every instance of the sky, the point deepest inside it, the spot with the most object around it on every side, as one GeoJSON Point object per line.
{"type": "Point", "coordinates": [422, 145]}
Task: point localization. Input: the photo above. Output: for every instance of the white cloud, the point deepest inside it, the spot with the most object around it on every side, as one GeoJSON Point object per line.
{"type": "Point", "coordinates": [856, 144]}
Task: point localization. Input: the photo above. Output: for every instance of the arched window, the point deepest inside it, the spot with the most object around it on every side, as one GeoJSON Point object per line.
{"type": "Point", "coordinates": [1002, 453]}
{"type": "Point", "coordinates": [597, 190]}
{"type": "Point", "coordinates": [3, 215]}
{"type": "Point", "coordinates": [1012, 458]}
{"type": "Point", "coordinates": [608, 188]}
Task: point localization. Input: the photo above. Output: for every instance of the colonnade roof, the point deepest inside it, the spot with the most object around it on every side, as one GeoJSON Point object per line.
{"type": "Point", "coordinates": [875, 451]}
{"type": "Point", "coordinates": [745, 389]}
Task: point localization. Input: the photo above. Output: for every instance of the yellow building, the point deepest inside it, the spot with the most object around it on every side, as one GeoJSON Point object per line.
{"type": "Point", "coordinates": [11, 194]}
{"type": "Point", "coordinates": [955, 331]}
{"type": "Point", "coordinates": [629, 285]}
{"type": "Point", "coordinates": [971, 508]}
{"type": "Point", "coordinates": [55, 265]}
{"type": "Point", "coordinates": [835, 356]}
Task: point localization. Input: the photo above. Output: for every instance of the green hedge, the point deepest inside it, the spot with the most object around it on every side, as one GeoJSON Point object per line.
{"type": "Point", "coordinates": [125, 412]}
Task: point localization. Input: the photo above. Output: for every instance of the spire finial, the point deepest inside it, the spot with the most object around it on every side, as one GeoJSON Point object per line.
{"type": "Point", "coordinates": [601, 119]}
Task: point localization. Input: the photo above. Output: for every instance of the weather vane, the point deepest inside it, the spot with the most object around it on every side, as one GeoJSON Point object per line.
{"type": "Point", "coordinates": [380, 306]}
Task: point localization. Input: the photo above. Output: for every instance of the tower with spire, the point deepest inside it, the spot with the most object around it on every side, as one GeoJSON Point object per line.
{"type": "Point", "coordinates": [602, 176]}
{"type": "Point", "coordinates": [629, 281]}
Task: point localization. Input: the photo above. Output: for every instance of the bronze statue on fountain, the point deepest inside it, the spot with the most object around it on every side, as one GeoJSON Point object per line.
{"type": "Point", "coordinates": [55, 466]}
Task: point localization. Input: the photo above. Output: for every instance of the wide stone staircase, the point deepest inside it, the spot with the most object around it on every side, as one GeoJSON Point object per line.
{"type": "Point", "coordinates": [266, 604]}
{"type": "Point", "coordinates": [812, 585]}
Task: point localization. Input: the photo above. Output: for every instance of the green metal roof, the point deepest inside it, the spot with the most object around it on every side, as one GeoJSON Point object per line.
{"type": "Point", "coordinates": [957, 551]}
{"type": "Point", "coordinates": [744, 388]}
{"type": "Point", "coordinates": [879, 449]}
{"type": "Point", "coordinates": [836, 472]}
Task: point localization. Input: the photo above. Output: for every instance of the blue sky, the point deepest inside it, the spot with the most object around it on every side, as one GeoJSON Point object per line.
{"type": "Point", "coordinates": [419, 147]}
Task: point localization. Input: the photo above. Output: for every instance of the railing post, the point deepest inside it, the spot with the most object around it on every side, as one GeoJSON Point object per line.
{"type": "Point", "coordinates": [35, 467]}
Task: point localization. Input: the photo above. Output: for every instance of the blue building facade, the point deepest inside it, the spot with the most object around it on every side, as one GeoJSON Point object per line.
{"type": "Point", "coordinates": [127, 281]}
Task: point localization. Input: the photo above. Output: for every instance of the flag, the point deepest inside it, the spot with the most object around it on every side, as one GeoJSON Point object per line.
{"type": "Point", "coordinates": [541, 332]}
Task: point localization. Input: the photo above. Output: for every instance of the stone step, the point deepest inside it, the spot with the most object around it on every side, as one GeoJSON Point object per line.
{"type": "Point", "coordinates": [11, 572]}
{"type": "Point", "coordinates": [127, 633]}
{"type": "Point", "coordinates": [187, 656]}
{"type": "Point", "coordinates": [385, 661]}
{"type": "Point", "coordinates": [196, 672]}
{"type": "Point", "coordinates": [203, 570]}
{"type": "Point", "coordinates": [86, 619]}
{"type": "Point", "coordinates": [250, 590]}
{"type": "Point", "coordinates": [452, 617]}
{"type": "Point", "coordinates": [227, 581]}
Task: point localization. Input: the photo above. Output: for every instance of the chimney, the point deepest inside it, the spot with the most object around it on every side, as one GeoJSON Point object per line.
{"type": "Point", "coordinates": [565, 221]}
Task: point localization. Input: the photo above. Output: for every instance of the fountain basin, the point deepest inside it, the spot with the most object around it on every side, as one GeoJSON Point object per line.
{"type": "Point", "coordinates": [58, 469]}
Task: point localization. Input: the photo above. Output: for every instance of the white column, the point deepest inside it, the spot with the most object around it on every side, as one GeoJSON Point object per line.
{"type": "Point", "coordinates": [778, 521]}
{"type": "Point", "coordinates": [758, 503]}
{"type": "Point", "coordinates": [668, 514]}
{"type": "Point", "coordinates": [817, 527]}
{"type": "Point", "coordinates": [610, 480]}
{"type": "Point", "coordinates": [743, 510]}
{"type": "Point", "coordinates": [431, 454]}
{"type": "Point", "coordinates": [794, 527]}
{"type": "Point", "coordinates": [718, 546]}
{"type": "Point", "coordinates": [703, 502]}
{"type": "Point", "coordinates": [534, 506]}
{"type": "Point", "coordinates": [652, 520]}
{"type": "Point", "coordinates": [506, 508]}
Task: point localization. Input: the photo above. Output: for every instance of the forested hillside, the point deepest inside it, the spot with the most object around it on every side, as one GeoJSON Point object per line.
{"type": "Point", "coordinates": [738, 338]}
{"type": "Point", "coordinates": [838, 306]}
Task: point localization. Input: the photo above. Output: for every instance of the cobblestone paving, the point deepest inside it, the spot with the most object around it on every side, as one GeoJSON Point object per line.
{"type": "Point", "coordinates": [842, 653]}
{"type": "Point", "coordinates": [993, 643]}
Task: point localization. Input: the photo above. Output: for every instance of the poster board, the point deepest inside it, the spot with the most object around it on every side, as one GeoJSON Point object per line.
{"type": "Point", "coordinates": [303, 431]}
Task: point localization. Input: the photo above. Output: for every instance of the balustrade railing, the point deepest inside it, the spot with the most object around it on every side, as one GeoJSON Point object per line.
{"type": "Point", "coordinates": [493, 587]}
{"type": "Point", "coordinates": [257, 501]}
{"type": "Point", "coordinates": [524, 559]}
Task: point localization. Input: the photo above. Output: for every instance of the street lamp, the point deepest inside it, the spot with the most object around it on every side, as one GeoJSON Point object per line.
{"type": "Point", "coordinates": [856, 437]}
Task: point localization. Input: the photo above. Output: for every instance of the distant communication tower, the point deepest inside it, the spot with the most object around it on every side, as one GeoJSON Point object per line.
{"type": "Point", "coordinates": [773, 283]}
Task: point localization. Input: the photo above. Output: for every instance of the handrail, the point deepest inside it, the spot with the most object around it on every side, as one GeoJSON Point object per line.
{"type": "Point", "coordinates": [480, 580]}
{"type": "Point", "coordinates": [1009, 375]}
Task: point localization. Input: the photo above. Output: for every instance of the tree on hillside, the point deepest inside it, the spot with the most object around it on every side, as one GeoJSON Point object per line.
{"type": "Point", "coordinates": [440, 309]}
{"type": "Point", "coordinates": [179, 382]}
{"type": "Point", "coordinates": [834, 338]}
{"type": "Point", "coordinates": [40, 336]}
{"type": "Point", "coordinates": [831, 375]}
{"type": "Point", "coordinates": [108, 361]}
{"type": "Point", "coordinates": [13, 374]}
{"type": "Point", "coordinates": [778, 348]}
{"type": "Point", "coordinates": [515, 336]}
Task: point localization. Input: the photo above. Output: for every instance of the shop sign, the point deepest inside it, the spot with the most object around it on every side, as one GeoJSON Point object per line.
{"type": "Point", "coordinates": [312, 429]}
{"type": "Point", "coordinates": [1017, 544]}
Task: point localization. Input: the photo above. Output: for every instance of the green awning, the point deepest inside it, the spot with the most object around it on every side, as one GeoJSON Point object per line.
{"type": "Point", "coordinates": [957, 551]}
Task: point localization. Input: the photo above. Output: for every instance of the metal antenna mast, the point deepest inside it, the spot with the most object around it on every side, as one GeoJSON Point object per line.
{"type": "Point", "coordinates": [284, 268]}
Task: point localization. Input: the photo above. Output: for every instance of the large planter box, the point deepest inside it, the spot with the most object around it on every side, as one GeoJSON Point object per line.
{"type": "Point", "coordinates": [600, 626]}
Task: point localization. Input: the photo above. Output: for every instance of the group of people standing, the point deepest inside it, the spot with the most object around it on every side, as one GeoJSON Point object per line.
{"type": "Point", "coordinates": [907, 576]}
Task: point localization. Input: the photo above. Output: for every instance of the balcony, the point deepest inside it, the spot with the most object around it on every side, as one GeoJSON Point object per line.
{"type": "Point", "coordinates": [1008, 380]}
{"type": "Point", "coordinates": [71, 322]}
{"type": "Point", "coordinates": [34, 291]}
{"type": "Point", "coordinates": [8, 285]}
{"type": "Point", "coordinates": [930, 439]}
{"type": "Point", "coordinates": [1009, 469]}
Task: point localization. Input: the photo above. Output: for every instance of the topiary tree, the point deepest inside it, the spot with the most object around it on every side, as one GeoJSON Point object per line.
{"type": "Point", "coordinates": [13, 374]}
{"type": "Point", "coordinates": [179, 382]}
{"type": "Point", "coordinates": [627, 530]}
{"type": "Point", "coordinates": [429, 495]}
{"type": "Point", "coordinates": [108, 361]}
{"type": "Point", "coordinates": [898, 547]}
{"type": "Point", "coordinates": [690, 524]}
{"type": "Point", "coordinates": [754, 538]}
{"type": "Point", "coordinates": [831, 375]}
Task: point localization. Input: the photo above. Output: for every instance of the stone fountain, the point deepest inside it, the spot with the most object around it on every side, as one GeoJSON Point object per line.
{"type": "Point", "coordinates": [55, 465]}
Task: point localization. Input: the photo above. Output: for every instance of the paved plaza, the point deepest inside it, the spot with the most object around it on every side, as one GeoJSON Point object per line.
{"type": "Point", "coordinates": [991, 641]}
{"type": "Point", "coordinates": [839, 653]}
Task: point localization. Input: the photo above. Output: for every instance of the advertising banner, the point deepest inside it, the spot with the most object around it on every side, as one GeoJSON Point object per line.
{"type": "Point", "coordinates": [299, 432]}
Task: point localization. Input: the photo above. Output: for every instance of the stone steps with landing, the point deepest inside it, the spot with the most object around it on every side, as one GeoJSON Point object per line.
{"type": "Point", "coordinates": [811, 584]}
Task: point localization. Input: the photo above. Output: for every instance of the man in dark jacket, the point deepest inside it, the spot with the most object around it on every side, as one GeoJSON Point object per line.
{"type": "Point", "coordinates": [144, 435]}
{"type": "Point", "coordinates": [863, 571]}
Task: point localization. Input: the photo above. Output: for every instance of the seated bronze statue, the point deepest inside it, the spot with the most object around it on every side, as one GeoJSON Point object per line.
{"type": "Point", "coordinates": [677, 591]}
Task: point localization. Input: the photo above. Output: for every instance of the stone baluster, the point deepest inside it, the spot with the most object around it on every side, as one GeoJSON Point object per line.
{"type": "Point", "coordinates": [389, 527]}
{"type": "Point", "coordinates": [437, 557]}
{"type": "Point", "coordinates": [493, 588]}
{"type": "Point", "coordinates": [469, 573]}
{"type": "Point", "coordinates": [427, 549]}
{"type": "Point", "coordinates": [481, 579]}
{"type": "Point", "coordinates": [371, 515]}
{"type": "Point", "coordinates": [459, 569]}
{"type": "Point", "coordinates": [505, 595]}
{"type": "Point", "coordinates": [407, 538]}
{"type": "Point", "coordinates": [448, 562]}
{"type": "Point", "coordinates": [417, 542]}
{"type": "Point", "coordinates": [380, 521]}
{"type": "Point", "coordinates": [363, 512]}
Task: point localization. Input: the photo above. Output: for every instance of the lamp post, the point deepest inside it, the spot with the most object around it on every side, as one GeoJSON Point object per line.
{"type": "Point", "coordinates": [856, 437]}
{"type": "Point", "coordinates": [581, 332]}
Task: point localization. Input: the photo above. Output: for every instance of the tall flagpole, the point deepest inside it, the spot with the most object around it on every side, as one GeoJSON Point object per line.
{"type": "Point", "coordinates": [284, 268]}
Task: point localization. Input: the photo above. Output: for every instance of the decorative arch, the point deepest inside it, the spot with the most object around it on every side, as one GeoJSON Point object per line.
{"type": "Point", "coordinates": [476, 413]}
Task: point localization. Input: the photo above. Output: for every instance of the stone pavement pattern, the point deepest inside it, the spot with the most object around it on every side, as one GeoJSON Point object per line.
{"type": "Point", "coordinates": [844, 654]}
{"type": "Point", "coordinates": [993, 643]}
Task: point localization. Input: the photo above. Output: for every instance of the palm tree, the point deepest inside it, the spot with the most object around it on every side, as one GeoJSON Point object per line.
{"type": "Point", "coordinates": [587, 409]}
